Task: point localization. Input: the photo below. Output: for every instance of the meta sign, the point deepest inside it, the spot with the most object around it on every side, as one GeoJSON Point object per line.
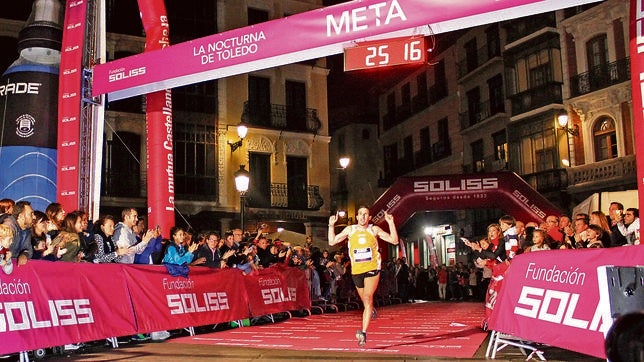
{"type": "Point", "coordinates": [385, 53]}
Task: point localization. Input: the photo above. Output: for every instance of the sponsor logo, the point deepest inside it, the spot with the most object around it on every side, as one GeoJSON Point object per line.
{"type": "Point", "coordinates": [186, 303]}
{"type": "Point", "coordinates": [121, 74]}
{"type": "Point", "coordinates": [19, 88]}
{"type": "Point", "coordinates": [276, 295]}
{"type": "Point", "coordinates": [61, 312]}
{"type": "Point", "coordinates": [471, 184]}
{"type": "Point", "coordinates": [25, 126]}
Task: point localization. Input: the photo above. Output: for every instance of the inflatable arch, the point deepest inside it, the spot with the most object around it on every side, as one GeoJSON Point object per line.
{"type": "Point", "coordinates": [502, 190]}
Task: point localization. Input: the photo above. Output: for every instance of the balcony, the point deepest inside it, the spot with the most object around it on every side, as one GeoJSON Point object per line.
{"type": "Point", "coordinates": [536, 97]}
{"type": "Point", "coordinates": [616, 174]}
{"type": "Point", "coordinates": [547, 181]}
{"type": "Point", "coordinates": [522, 27]}
{"type": "Point", "coordinates": [485, 111]}
{"type": "Point", "coordinates": [305, 198]}
{"type": "Point", "coordinates": [281, 117]}
{"type": "Point", "coordinates": [483, 55]}
{"type": "Point", "coordinates": [600, 77]}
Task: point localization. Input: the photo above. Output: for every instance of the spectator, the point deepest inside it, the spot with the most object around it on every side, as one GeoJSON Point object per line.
{"type": "Point", "coordinates": [580, 237]}
{"type": "Point", "coordinates": [56, 216]}
{"type": "Point", "coordinates": [554, 233]}
{"type": "Point", "coordinates": [20, 222]}
{"type": "Point", "coordinates": [6, 238]}
{"type": "Point", "coordinates": [211, 253]}
{"type": "Point", "coordinates": [264, 252]}
{"type": "Point", "coordinates": [69, 238]}
{"type": "Point", "coordinates": [510, 238]}
{"type": "Point", "coordinates": [106, 250]}
{"type": "Point", "coordinates": [594, 233]}
{"type": "Point", "coordinates": [615, 214]}
{"type": "Point", "coordinates": [178, 253]}
{"type": "Point", "coordinates": [41, 241]}
{"type": "Point", "coordinates": [124, 236]}
{"type": "Point", "coordinates": [149, 255]}
{"type": "Point", "coordinates": [6, 206]}
{"type": "Point", "coordinates": [539, 239]}
{"type": "Point", "coordinates": [599, 218]}
{"type": "Point", "coordinates": [442, 282]}
{"type": "Point", "coordinates": [629, 226]}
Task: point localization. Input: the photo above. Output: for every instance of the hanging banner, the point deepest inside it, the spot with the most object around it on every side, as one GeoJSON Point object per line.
{"type": "Point", "coordinates": [553, 297]}
{"type": "Point", "coordinates": [69, 105]}
{"type": "Point", "coordinates": [158, 114]}
{"type": "Point", "coordinates": [636, 31]}
{"type": "Point", "coordinates": [300, 37]}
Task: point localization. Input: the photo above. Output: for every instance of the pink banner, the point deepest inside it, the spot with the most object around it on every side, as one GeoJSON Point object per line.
{"type": "Point", "coordinates": [69, 104]}
{"type": "Point", "coordinates": [207, 296]}
{"type": "Point", "coordinates": [636, 31]}
{"type": "Point", "coordinates": [553, 297]}
{"type": "Point", "coordinates": [240, 50]}
{"type": "Point", "coordinates": [277, 289]}
{"type": "Point", "coordinates": [160, 159]}
{"type": "Point", "coordinates": [503, 190]}
{"type": "Point", "coordinates": [45, 304]}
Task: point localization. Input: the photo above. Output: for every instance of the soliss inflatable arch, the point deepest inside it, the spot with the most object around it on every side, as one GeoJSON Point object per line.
{"type": "Point", "coordinates": [502, 190]}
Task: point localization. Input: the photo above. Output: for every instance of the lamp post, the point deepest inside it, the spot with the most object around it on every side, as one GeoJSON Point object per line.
{"type": "Point", "coordinates": [242, 181]}
{"type": "Point", "coordinates": [241, 132]}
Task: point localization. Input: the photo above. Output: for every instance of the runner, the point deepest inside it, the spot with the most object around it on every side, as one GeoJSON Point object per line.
{"type": "Point", "coordinates": [365, 258]}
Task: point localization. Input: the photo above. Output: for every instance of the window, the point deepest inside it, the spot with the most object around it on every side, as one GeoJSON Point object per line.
{"type": "Point", "coordinates": [495, 89]}
{"type": "Point", "coordinates": [605, 139]}
{"type": "Point", "coordinates": [493, 41]}
{"type": "Point", "coordinates": [545, 153]}
{"type": "Point", "coordinates": [122, 165]}
{"type": "Point", "coordinates": [259, 192]}
{"type": "Point", "coordinates": [478, 161]}
{"type": "Point", "coordinates": [194, 154]}
{"type": "Point", "coordinates": [390, 160]}
{"type": "Point", "coordinates": [500, 146]}
{"type": "Point", "coordinates": [256, 16]}
{"type": "Point", "coordinates": [259, 101]}
{"type": "Point", "coordinates": [295, 105]}
{"type": "Point", "coordinates": [471, 57]}
{"type": "Point", "coordinates": [597, 52]}
{"type": "Point", "coordinates": [474, 106]}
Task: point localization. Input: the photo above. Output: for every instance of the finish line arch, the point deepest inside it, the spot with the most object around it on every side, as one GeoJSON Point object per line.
{"type": "Point", "coordinates": [502, 190]}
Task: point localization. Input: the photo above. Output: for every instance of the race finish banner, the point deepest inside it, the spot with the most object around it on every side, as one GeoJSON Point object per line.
{"type": "Point", "coordinates": [554, 297]}
{"type": "Point", "coordinates": [300, 37]}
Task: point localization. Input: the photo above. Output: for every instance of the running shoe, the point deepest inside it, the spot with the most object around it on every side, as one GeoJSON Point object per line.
{"type": "Point", "coordinates": [361, 337]}
{"type": "Point", "coordinates": [374, 314]}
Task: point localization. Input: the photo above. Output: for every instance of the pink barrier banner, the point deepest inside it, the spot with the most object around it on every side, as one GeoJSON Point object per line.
{"type": "Point", "coordinates": [208, 296]}
{"type": "Point", "coordinates": [45, 304]}
{"type": "Point", "coordinates": [277, 289]}
{"type": "Point", "coordinates": [636, 31]}
{"type": "Point", "coordinates": [160, 159]}
{"type": "Point", "coordinates": [553, 297]}
{"type": "Point", "coordinates": [206, 57]}
{"type": "Point", "coordinates": [69, 104]}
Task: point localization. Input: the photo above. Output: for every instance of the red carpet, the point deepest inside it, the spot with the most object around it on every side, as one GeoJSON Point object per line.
{"type": "Point", "coordinates": [422, 329]}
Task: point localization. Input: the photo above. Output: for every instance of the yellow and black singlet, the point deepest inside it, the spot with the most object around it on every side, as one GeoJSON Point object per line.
{"type": "Point", "coordinates": [363, 250]}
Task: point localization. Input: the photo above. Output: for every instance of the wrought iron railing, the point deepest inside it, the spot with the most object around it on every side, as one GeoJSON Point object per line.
{"type": "Point", "coordinates": [536, 97]}
{"type": "Point", "coordinates": [281, 117]}
{"type": "Point", "coordinates": [600, 77]}
{"type": "Point", "coordinates": [305, 198]}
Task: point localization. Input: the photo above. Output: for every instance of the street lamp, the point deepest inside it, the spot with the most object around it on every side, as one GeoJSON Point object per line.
{"type": "Point", "coordinates": [242, 181]}
{"type": "Point", "coordinates": [562, 119]}
{"type": "Point", "coordinates": [344, 162]}
{"type": "Point", "coordinates": [241, 132]}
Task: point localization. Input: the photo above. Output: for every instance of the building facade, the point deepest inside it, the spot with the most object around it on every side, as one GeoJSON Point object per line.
{"type": "Point", "coordinates": [285, 109]}
{"type": "Point", "coordinates": [490, 99]}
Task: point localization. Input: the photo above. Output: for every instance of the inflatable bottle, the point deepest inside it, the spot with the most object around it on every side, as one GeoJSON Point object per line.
{"type": "Point", "coordinates": [29, 109]}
